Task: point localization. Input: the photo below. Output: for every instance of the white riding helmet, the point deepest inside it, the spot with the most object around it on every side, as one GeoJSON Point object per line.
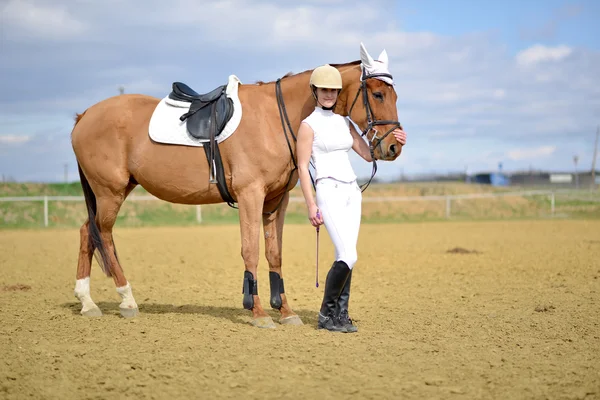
{"type": "Point", "coordinates": [326, 76]}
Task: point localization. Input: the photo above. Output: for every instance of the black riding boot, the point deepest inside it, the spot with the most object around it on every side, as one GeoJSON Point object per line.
{"type": "Point", "coordinates": [336, 278]}
{"type": "Point", "coordinates": [341, 311]}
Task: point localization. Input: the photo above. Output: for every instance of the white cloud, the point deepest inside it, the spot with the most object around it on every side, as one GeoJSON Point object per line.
{"type": "Point", "coordinates": [463, 95]}
{"type": "Point", "coordinates": [531, 153]}
{"type": "Point", "coordinates": [14, 139]}
{"type": "Point", "coordinates": [499, 93]}
{"type": "Point", "coordinates": [39, 20]}
{"type": "Point", "coordinates": [539, 54]}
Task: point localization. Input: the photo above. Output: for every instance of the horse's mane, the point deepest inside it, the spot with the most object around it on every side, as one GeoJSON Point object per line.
{"type": "Point", "coordinates": [309, 70]}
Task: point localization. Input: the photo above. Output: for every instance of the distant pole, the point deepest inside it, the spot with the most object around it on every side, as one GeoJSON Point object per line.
{"type": "Point", "coordinates": [66, 172]}
{"type": "Point", "coordinates": [594, 159]}
{"type": "Point", "coordinates": [46, 211]}
{"type": "Point", "coordinates": [198, 213]}
{"type": "Point", "coordinates": [575, 161]}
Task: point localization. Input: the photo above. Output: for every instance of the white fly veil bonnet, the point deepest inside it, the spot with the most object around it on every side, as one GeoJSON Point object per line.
{"type": "Point", "coordinates": [370, 66]}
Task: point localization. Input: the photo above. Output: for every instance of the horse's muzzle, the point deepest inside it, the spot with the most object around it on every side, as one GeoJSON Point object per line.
{"type": "Point", "coordinates": [390, 152]}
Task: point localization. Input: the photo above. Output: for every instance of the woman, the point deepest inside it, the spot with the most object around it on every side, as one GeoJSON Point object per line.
{"type": "Point", "coordinates": [326, 138]}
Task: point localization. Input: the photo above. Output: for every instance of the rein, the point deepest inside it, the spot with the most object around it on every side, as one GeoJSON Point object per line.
{"type": "Point", "coordinates": [285, 122]}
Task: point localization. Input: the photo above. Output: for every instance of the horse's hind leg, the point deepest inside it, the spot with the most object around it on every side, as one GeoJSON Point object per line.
{"type": "Point", "coordinates": [273, 230]}
{"type": "Point", "coordinates": [84, 266]}
{"type": "Point", "coordinates": [109, 205]}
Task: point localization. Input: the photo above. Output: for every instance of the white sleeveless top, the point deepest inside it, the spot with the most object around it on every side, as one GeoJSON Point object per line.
{"type": "Point", "coordinates": [331, 143]}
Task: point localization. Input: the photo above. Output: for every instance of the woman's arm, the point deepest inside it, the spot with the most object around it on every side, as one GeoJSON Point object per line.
{"type": "Point", "coordinates": [304, 151]}
{"type": "Point", "coordinates": [359, 145]}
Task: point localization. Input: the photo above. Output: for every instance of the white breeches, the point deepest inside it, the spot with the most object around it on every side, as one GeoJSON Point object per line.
{"type": "Point", "coordinates": [340, 205]}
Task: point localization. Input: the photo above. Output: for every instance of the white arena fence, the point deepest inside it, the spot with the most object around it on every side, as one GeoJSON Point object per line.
{"type": "Point", "coordinates": [446, 199]}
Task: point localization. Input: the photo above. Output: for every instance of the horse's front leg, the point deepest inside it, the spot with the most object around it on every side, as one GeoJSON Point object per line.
{"type": "Point", "coordinates": [273, 228]}
{"type": "Point", "coordinates": [250, 210]}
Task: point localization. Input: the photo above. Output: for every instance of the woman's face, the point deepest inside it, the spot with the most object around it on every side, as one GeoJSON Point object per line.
{"type": "Point", "coordinates": [327, 97]}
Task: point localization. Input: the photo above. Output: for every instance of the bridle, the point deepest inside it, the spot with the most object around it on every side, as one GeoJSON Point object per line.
{"type": "Point", "coordinates": [371, 120]}
{"type": "Point", "coordinates": [374, 142]}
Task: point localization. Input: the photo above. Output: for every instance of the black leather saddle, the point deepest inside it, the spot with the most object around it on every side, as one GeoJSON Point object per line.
{"type": "Point", "coordinates": [208, 113]}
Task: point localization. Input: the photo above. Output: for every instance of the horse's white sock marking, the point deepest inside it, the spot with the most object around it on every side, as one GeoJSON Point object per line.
{"type": "Point", "coordinates": [82, 292]}
{"type": "Point", "coordinates": [126, 296]}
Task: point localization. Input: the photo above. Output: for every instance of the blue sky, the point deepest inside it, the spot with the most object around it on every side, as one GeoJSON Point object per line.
{"type": "Point", "coordinates": [516, 23]}
{"type": "Point", "coordinates": [479, 82]}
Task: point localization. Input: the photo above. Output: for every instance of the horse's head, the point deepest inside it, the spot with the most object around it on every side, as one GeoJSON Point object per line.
{"type": "Point", "coordinates": [371, 103]}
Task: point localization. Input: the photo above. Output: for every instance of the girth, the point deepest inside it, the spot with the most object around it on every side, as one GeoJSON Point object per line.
{"type": "Point", "coordinates": [217, 168]}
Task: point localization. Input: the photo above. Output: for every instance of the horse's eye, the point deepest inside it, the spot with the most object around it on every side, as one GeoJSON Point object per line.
{"type": "Point", "coordinates": [378, 96]}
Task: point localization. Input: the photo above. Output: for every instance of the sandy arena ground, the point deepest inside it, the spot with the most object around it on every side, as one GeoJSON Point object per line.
{"type": "Point", "coordinates": [517, 319]}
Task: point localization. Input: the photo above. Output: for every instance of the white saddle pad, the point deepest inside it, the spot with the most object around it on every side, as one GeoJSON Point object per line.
{"type": "Point", "coordinates": [165, 126]}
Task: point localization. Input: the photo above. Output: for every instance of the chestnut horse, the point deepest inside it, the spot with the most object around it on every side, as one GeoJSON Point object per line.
{"type": "Point", "coordinates": [115, 154]}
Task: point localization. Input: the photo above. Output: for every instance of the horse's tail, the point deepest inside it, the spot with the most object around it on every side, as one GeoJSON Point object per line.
{"type": "Point", "coordinates": [95, 240]}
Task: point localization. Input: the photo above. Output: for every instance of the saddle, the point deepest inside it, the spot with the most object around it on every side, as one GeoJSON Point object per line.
{"type": "Point", "coordinates": [206, 118]}
{"type": "Point", "coordinates": [208, 113]}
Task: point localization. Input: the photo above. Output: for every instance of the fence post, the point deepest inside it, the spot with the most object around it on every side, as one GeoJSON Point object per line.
{"type": "Point", "coordinates": [46, 211]}
{"type": "Point", "coordinates": [198, 214]}
{"type": "Point", "coordinates": [552, 204]}
{"type": "Point", "coordinates": [448, 199]}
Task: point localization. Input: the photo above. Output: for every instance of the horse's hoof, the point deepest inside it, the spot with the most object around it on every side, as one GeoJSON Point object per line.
{"type": "Point", "coordinates": [92, 312]}
{"type": "Point", "coordinates": [129, 312]}
{"type": "Point", "coordinates": [264, 322]}
{"type": "Point", "coordinates": [291, 320]}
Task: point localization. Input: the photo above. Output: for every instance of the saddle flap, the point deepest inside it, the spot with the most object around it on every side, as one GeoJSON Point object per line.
{"type": "Point", "coordinates": [201, 120]}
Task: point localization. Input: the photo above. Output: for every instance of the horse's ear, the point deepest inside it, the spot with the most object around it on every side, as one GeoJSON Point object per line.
{"type": "Point", "coordinates": [383, 58]}
{"type": "Point", "coordinates": [366, 59]}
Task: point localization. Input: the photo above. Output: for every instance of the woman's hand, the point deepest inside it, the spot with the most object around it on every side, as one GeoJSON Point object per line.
{"type": "Point", "coordinates": [314, 216]}
{"type": "Point", "coordinates": [400, 136]}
